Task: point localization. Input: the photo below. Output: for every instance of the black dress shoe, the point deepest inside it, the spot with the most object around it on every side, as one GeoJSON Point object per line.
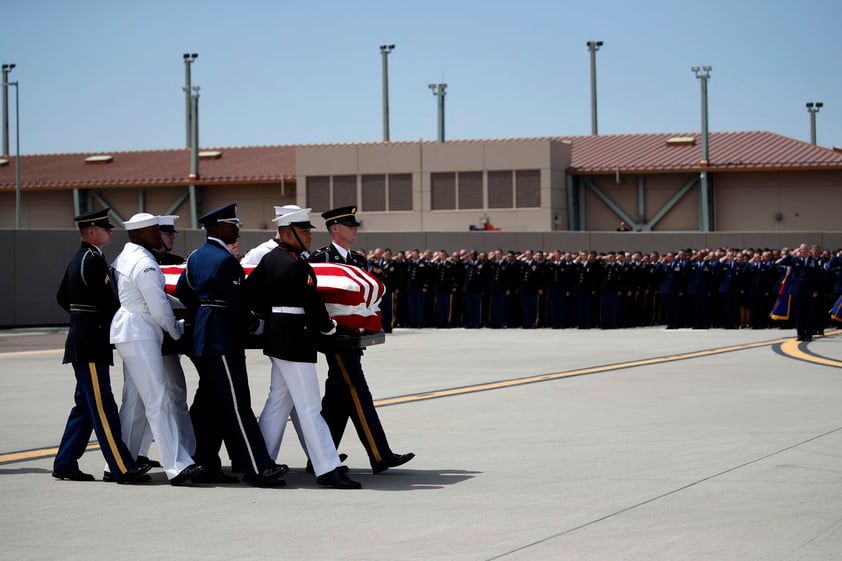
{"type": "Point", "coordinates": [269, 477]}
{"type": "Point", "coordinates": [75, 475]}
{"type": "Point", "coordinates": [342, 458]}
{"type": "Point", "coordinates": [337, 479]}
{"type": "Point", "coordinates": [108, 478]}
{"type": "Point", "coordinates": [394, 460]}
{"type": "Point", "coordinates": [186, 475]}
{"type": "Point", "coordinates": [143, 460]}
{"type": "Point", "coordinates": [134, 475]}
{"type": "Point", "coordinates": [211, 476]}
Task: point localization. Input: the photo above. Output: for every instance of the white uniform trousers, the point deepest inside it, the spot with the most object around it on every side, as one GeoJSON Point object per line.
{"type": "Point", "coordinates": [177, 388]}
{"type": "Point", "coordinates": [146, 399]}
{"type": "Point", "coordinates": [295, 384]}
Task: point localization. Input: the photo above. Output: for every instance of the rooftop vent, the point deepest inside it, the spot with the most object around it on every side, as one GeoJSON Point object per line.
{"type": "Point", "coordinates": [210, 154]}
{"type": "Point", "coordinates": [681, 141]}
{"type": "Point", "coordinates": [99, 159]}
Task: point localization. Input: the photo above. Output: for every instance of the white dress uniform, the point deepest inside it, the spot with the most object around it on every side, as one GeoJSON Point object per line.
{"type": "Point", "coordinates": [137, 332]}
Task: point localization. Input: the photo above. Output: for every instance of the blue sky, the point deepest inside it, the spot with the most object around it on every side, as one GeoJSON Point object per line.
{"type": "Point", "coordinates": [108, 76]}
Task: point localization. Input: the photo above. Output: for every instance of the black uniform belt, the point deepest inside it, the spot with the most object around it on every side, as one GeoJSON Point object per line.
{"type": "Point", "coordinates": [83, 308]}
{"type": "Point", "coordinates": [213, 303]}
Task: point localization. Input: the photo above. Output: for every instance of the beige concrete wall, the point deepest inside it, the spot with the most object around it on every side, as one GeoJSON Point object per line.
{"type": "Point", "coordinates": [752, 201]}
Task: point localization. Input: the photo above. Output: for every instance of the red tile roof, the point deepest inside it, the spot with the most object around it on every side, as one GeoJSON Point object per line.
{"type": "Point", "coordinates": [628, 153]}
{"type": "Point", "coordinates": [258, 164]}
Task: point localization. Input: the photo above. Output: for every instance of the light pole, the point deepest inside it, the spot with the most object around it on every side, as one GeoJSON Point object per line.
{"type": "Point", "coordinates": [439, 91]}
{"type": "Point", "coordinates": [384, 51]}
{"type": "Point", "coordinates": [593, 47]}
{"type": "Point", "coordinates": [813, 108]}
{"type": "Point", "coordinates": [17, 142]}
{"type": "Point", "coordinates": [703, 74]}
{"type": "Point", "coordinates": [188, 60]}
{"type": "Point", "coordinates": [6, 69]}
{"type": "Point", "coordinates": [194, 154]}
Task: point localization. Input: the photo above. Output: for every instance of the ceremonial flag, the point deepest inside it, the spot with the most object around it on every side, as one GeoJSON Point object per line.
{"type": "Point", "coordinates": [836, 310]}
{"type": "Point", "coordinates": [783, 305]}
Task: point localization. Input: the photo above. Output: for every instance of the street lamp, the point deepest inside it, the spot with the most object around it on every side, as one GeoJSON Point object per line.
{"type": "Point", "coordinates": [6, 69]}
{"type": "Point", "coordinates": [6, 85]}
{"type": "Point", "coordinates": [703, 73]}
{"type": "Point", "coordinates": [593, 47]}
{"type": "Point", "coordinates": [188, 60]}
{"type": "Point", "coordinates": [813, 108]}
{"type": "Point", "coordinates": [194, 154]}
{"type": "Point", "coordinates": [439, 91]}
{"type": "Point", "coordinates": [384, 51]}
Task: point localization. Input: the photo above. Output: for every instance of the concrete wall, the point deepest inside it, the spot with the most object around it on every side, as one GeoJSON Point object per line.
{"type": "Point", "coordinates": [36, 259]}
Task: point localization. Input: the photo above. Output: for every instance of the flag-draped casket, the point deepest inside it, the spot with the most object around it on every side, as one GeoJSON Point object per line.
{"type": "Point", "coordinates": [352, 295]}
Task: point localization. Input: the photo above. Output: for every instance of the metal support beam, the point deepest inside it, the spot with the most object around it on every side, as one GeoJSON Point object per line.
{"type": "Point", "coordinates": [670, 204]}
{"type": "Point", "coordinates": [611, 204]}
{"type": "Point", "coordinates": [641, 200]}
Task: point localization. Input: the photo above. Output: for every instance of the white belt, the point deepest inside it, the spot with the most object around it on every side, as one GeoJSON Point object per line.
{"type": "Point", "coordinates": [288, 310]}
{"type": "Point", "coordinates": [141, 308]}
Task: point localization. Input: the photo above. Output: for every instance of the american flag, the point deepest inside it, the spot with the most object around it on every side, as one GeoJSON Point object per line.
{"type": "Point", "coordinates": [351, 295]}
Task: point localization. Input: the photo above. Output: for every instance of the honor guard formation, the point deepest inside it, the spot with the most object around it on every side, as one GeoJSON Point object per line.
{"type": "Point", "coordinates": [689, 288]}
{"type": "Point", "coordinates": [214, 315]}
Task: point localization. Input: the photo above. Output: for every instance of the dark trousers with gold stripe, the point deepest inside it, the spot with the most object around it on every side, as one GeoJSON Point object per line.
{"type": "Point", "coordinates": [347, 396]}
{"type": "Point", "coordinates": [94, 411]}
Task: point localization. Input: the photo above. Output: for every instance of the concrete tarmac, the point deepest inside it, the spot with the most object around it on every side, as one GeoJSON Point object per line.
{"type": "Point", "coordinates": [636, 444]}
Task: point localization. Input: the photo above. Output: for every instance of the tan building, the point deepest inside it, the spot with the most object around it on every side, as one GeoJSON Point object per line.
{"type": "Point", "coordinates": [758, 181]}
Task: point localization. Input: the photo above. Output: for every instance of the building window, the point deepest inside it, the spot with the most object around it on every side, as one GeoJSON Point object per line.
{"type": "Point", "coordinates": [400, 191]}
{"type": "Point", "coordinates": [470, 189]}
{"type": "Point", "coordinates": [500, 189]}
{"type": "Point", "coordinates": [373, 193]}
{"type": "Point", "coordinates": [443, 191]}
{"type": "Point", "coordinates": [528, 188]}
{"type": "Point", "coordinates": [318, 192]}
{"type": "Point", "coordinates": [344, 190]}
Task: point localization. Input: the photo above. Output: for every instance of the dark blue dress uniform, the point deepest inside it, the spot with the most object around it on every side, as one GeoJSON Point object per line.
{"type": "Point", "coordinates": [804, 289]}
{"type": "Point", "coordinates": [86, 293]}
{"type": "Point", "coordinates": [346, 391]}
{"type": "Point", "coordinates": [212, 287]}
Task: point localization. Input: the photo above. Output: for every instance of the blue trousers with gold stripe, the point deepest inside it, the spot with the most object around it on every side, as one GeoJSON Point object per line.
{"type": "Point", "coordinates": [347, 396]}
{"type": "Point", "coordinates": [94, 411]}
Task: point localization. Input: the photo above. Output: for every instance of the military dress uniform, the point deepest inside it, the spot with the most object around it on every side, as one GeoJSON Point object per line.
{"type": "Point", "coordinates": [346, 391]}
{"type": "Point", "coordinates": [212, 287]}
{"type": "Point", "coordinates": [282, 290]}
{"type": "Point", "coordinates": [87, 294]}
{"type": "Point", "coordinates": [137, 331]}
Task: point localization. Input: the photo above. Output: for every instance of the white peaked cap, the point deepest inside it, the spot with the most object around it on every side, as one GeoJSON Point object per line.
{"type": "Point", "coordinates": [294, 217]}
{"type": "Point", "coordinates": [286, 209]}
{"type": "Point", "coordinates": [141, 220]}
{"type": "Point", "coordinates": [167, 219]}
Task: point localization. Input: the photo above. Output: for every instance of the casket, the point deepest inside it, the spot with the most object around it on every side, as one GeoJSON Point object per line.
{"type": "Point", "coordinates": [351, 295]}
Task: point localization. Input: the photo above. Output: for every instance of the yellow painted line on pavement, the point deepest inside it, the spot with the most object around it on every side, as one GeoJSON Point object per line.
{"type": "Point", "coordinates": [569, 373]}
{"type": "Point", "coordinates": [792, 348]}
{"type": "Point", "coordinates": [36, 454]}
{"type": "Point", "coordinates": [788, 346]}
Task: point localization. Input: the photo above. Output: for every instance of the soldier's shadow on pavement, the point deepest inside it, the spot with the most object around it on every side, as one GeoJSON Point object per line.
{"type": "Point", "coordinates": [391, 480]}
{"type": "Point", "coordinates": [23, 470]}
